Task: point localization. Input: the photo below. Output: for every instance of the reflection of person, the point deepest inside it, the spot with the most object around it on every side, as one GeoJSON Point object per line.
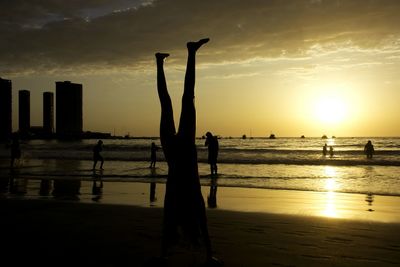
{"type": "Point", "coordinates": [184, 205]}
{"type": "Point", "coordinates": [331, 151]}
{"type": "Point", "coordinates": [153, 192]}
{"type": "Point", "coordinates": [369, 149]}
{"type": "Point", "coordinates": [212, 198]}
{"type": "Point", "coordinates": [153, 156]}
{"type": "Point", "coordinates": [15, 150]}
{"type": "Point", "coordinates": [96, 155]}
{"type": "Point", "coordinates": [213, 146]}
{"type": "Point", "coordinates": [97, 190]}
{"type": "Point", "coordinates": [369, 198]}
{"type": "Point", "coordinates": [325, 149]}
{"type": "Point", "coordinates": [45, 187]}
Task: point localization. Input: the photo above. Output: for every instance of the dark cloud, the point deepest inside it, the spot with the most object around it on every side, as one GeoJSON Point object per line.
{"type": "Point", "coordinates": [240, 30]}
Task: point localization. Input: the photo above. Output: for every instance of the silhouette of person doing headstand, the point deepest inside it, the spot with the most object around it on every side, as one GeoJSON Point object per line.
{"type": "Point", "coordinates": [184, 206]}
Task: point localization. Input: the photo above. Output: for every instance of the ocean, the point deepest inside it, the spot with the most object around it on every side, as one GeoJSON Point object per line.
{"type": "Point", "coordinates": [281, 163]}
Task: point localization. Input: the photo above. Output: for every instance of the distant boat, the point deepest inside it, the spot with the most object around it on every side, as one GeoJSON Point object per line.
{"type": "Point", "coordinates": [244, 136]}
{"type": "Point", "coordinates": [302, 136]}
{"type": "Point", "coordinates": [272, 136]}
{"type": "Point", "coordinates": [324, 137]}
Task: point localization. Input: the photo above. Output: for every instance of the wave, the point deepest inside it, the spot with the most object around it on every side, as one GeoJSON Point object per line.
{"type": "Point", "coordinates": [317, 160]}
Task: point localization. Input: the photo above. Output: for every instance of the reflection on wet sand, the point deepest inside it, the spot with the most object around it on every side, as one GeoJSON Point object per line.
{"type": "Point", "coordinates": [67, 188]}
{"type": "Point", "coordinates": [18, 185]}
{"type": "Point", "coordinates": [212, 197]}
{"type": "Point", "coordinates": [153, 197]}
{"type": "Point", "coordinates": [153, 184]}
{"type": "Point", "coordinates": [97, 186]}
{"type": "Point", "coordinates": [45, 187]}
{"type": "Point", "coordinates": [369, 198]}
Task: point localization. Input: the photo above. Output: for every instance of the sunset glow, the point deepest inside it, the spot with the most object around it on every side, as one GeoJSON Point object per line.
{"type": "Point", "coordinates": [313, 67]}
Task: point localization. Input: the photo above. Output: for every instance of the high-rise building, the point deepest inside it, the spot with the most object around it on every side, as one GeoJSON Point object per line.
{"type": "Point", "coordinates": [48, 112]}
{"type": "Point", "coordinates": [5, 109]}
{"type": "Point", "coordinates": [24, 111]}
{"type": "Point", "coordinates": [68, 109]}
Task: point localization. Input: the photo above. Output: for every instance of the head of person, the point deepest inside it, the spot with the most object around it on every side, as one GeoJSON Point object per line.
{"type": "Point", "coordinates": [100, 142]}
{"type": "Point", "coordinates": [208, 134]}
{"type": "Point", "coordinates": [369, 142]}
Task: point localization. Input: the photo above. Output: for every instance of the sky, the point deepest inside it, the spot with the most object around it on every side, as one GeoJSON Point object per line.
{"type": "Point", "coordinates": [292, 68]}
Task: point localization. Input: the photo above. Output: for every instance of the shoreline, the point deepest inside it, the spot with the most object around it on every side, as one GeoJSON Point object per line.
{"type": "Point", "coordinates": [329, 204]}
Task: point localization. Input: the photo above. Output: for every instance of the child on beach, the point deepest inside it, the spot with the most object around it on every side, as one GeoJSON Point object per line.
{"type": "Point", "coordinates": [96, 155]}
{"type": "Point", "coordinates": [153, 156]}
{"type": "Point", "coordinates": [325, 149]}
{"type": "Point", "coordinates": [331, 151]}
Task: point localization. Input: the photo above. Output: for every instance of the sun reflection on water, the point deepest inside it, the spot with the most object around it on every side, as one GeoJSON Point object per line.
{"type": "Point", "coordinates": [329, 210]}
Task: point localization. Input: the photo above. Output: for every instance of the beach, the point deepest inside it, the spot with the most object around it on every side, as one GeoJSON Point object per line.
{"type": "Point", "coordinates": [249, 227]}
{"type": "Point", "coordinates": [273, 203]}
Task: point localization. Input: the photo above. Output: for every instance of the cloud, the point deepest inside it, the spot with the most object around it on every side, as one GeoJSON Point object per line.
{"type": "Point", "coordinates": [44, 35]}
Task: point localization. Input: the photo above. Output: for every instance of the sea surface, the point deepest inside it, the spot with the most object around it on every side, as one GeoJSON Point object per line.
{"type": "Point", "coordinates": [282, 163]}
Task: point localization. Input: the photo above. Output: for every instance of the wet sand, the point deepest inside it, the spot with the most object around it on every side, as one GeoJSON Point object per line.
{"type": "Point", "coordinates": [73, 233]}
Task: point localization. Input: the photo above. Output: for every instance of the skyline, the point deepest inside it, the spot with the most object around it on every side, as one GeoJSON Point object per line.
{"type": "Point", "coordinates": [290, 68]}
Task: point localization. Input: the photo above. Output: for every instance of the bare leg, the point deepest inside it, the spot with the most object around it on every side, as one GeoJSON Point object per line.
{"type": "Point", "coordinates": [187, 123]}
{"type": "Point", "coordinates": [94, 164]}
{"type": "Point", "coordinates": [167, 125]}
{"type": "Point", "coordinates": [101, 164]}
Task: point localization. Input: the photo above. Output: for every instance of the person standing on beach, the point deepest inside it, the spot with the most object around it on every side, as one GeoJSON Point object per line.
{"type": "Point", "coordinates": [184, 206]}
{"type": "Point", "coordinates": [96, 155]}
{"type": "Point", "coordinates": [369, 149]}
{"type": "Point", "coordinates": [153, 156]}
{"type": "Point", "coordinates": [213, 147]}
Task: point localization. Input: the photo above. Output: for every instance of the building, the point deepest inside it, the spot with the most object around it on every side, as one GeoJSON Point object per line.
{"type": "Point", "coordinates": [5, 109]}
{"type": "Point", "coordinates": [24, 112]}
{"type": "Point", "coordinates": [48, 112]}
{"type": "Point", "coordinates": [69, 121]}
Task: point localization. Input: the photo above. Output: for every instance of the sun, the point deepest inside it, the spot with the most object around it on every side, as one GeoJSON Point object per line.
{"type": "Point", "coordinates": [331, 109]}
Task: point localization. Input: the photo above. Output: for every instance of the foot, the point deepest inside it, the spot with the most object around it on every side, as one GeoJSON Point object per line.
{"type": "Point", "coordinates": [161, 56]}
{"type": "Point", "coordinates": [194, 46]}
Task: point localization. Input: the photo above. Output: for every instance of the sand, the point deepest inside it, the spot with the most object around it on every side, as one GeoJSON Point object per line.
{"type": "Point", "coordinates": [70, 233]}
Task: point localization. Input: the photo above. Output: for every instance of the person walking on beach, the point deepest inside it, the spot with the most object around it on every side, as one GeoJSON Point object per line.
{"type": "Point", "coordinates": [96, 155]}
{"type": "Point", "coordinates": [331, 151]}
{"type": "Point", "coordinates": [369, 149]}
{"type": "Point", "coordinates": [184, 206]}
{"type": "Point", "coordinates": [153, 156]}
{"type": "Point", "coordinates": [15, 150]}
{"type": "Point", "coordinates": [213, 147]}
{"type": "Point", "coordinates": [325, 149]}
